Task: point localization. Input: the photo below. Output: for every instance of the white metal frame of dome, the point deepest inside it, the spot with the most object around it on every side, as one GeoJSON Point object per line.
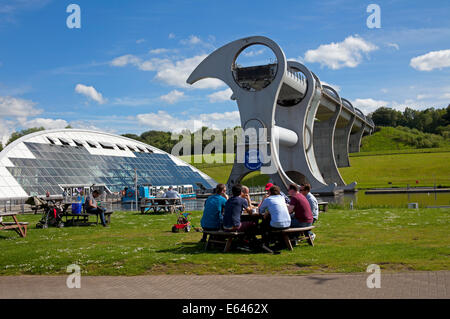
{"type": "Point", "coordinates": [18, 149]}
{"type": "Point", "coordinates": [308, 140]}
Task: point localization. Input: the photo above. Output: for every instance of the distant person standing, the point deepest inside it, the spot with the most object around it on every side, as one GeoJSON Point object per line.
{"type": "Point", "coordinates": [313, 203]}
{"type": "Point", "coordinates": [171, 193]}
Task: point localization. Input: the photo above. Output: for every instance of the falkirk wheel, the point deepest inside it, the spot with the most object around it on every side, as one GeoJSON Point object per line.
{"type": "Point", "coordinates": [308, 128]}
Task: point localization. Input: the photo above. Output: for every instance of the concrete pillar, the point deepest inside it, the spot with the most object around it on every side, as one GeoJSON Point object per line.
{"type": "Point", "coordinates": [324, 148]}
{"type": "Point", "coordinates": [355, 139]}
{"type": "Point", "coordinates": [341, 143]}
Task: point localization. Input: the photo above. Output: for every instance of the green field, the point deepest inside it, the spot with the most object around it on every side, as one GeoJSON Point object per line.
{"type": "Point", "coordinates": [399, 169]}
{"type": "Point", "coordinates": [347, 241]}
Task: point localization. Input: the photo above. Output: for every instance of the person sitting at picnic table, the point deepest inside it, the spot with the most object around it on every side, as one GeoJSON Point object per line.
{"type": "Point", "coordinates": [171, 193]}
{"type": "Point", "coordinates": [300, 210]}
{"type": "Point", "coordinates": [92, 208]}
{"type": "Point", "coordinates": [213, 210]}
{"type": "Point", "coordinates": [313, 203]}
{"type": "Point", "coordinates": [267, 188]}
{"type": "Point", "coordinates": [160, 193]}
{"type": "Point", "coordinates": [234, 207]}
{"type": "Point", "coordinates": [275, 211]}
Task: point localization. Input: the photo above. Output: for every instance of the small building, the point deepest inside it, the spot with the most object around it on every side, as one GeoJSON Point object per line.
{"type": "Point", "coordinates": [52, 160]}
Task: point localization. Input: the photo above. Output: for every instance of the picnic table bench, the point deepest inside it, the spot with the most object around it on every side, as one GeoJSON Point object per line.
{"type": "Point", "coordinates": [295, 232]}
{"type": "Point", "coordinates": [323, 206]}
{"type": "Point", "coordinates": [221, 237]}
{"type": "Point", "coordinates": [19, 227]}
{"type": "Point", "coordinates": [155, 205]}
{"type": "Point", "coordinates": [82, 218]}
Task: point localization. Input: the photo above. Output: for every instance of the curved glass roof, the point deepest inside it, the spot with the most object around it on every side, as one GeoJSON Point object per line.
{"type": "Point", "coordinates": [45, 160]}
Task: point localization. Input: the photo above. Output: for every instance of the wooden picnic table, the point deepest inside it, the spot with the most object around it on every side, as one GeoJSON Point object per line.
{"type": "Point", "coordinates": [226, 237]}
{"type": "Point", "coordinates": [154, 205]}
{"type": "Point", "coordinates": [18, 227]}
{"type": "Point", "coordinates": [82, 218]}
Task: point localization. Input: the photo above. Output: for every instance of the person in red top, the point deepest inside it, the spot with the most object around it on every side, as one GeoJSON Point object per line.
{"type": "Point", "coordinates": [300, 210]}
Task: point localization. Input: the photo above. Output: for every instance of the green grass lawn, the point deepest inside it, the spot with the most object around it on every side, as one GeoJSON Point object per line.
{"type": "Point", "coordinates": [347, 241]}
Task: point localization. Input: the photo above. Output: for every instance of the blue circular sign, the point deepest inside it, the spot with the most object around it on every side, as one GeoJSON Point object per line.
{"type": "Point", "coordinates": [253, 160]}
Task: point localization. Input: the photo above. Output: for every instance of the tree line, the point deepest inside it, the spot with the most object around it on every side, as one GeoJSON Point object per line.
{"type": "Point", "coordinates": [431, 120]}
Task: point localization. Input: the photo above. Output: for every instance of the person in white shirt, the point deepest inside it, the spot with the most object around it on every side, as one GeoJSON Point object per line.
{"type": "Point", "coordinates": [306, 191]}
{"type": "Point", "coordinates": [160, 193]}
{"type": "Point", "coordinates": [171, 193]}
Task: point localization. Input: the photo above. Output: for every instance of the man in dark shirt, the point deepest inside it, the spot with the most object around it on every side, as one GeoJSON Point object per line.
{"type": "Point", "coordinates": [233, 210]}
{"type": "Point", "coordinates": [300, 209]}
{"type": "Point", "coordinates": [92, 208]}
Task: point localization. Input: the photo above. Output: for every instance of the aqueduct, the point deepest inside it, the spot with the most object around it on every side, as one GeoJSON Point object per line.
{"type": "Point", "coordinates": [310, 129]}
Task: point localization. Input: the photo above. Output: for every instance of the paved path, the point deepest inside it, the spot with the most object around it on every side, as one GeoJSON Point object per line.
{"type": "Point", "coordinates": [393, 285]}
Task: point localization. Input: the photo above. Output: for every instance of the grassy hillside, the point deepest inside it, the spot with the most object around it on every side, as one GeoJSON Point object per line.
{"type": "Point", "coordinates": [399, 169]}
{"type": "Point", "coordinates": [401, 138]}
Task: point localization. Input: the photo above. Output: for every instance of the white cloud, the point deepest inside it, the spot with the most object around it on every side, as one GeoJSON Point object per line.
{"type": "Point", "coordinates": [438, 98]}
{"type": "Point", "coordinates": [171, 36]}
{"type": "Point", "coordinates": [423, 96]}
{"type": "Point", "coordinates": [162, 120]}
{"type": "Point", "coordinates": [253, 53]}
{"type": "Point", "coordinates": [176, 73]}
{"type": "Point", "coordinates": [220, 96]}
{"type": "Point", "coordinates": [348, 53]}
{"type": "Point", "coordinates": [192, 40]}
{"type": "Point", "coordinates": [125, 60]}
{"type": "Point", "coordinates": [369, 105]}
{"type": "Point", "coordinates": [46, 123]}
{"type": "Point", "coordinates": [169, 71]}
{"type": "Point", "coordinates": [432, 60]}
{"type": "Point", "coordinates": [172, 97]}
{"type": "Point", "coordinates": [132, 101]}
{"type": "Point", "coordinates": [17, 107]}
{"type": "Point", "coordinates": [139, 41]}
{"type": "Point", "coordinates": [90, 92]}
{"type": "Point", "coordinates": [394, 45]}
{"type": "Point", "coordinates": [6, 128]}
{"type": "Point", "coordinates": [159, 51]}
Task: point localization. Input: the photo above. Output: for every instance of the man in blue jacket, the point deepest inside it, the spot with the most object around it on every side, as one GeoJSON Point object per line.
{"type": "Point", "coordinates": [213, 211]}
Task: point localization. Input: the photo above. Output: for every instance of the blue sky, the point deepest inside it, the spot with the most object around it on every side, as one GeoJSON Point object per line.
{"type": "Point", "coordinates": [124, 71]}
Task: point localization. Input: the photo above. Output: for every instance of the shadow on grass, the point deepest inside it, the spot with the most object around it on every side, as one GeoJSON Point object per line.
{"type": "Point", "coordinates": [199, 248]}
{"type": "Point", "coordinates": [152, 213]}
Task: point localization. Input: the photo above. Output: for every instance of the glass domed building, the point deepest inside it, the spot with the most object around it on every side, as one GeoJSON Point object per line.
{"type": "Point", "coordinates": [55, 159]}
